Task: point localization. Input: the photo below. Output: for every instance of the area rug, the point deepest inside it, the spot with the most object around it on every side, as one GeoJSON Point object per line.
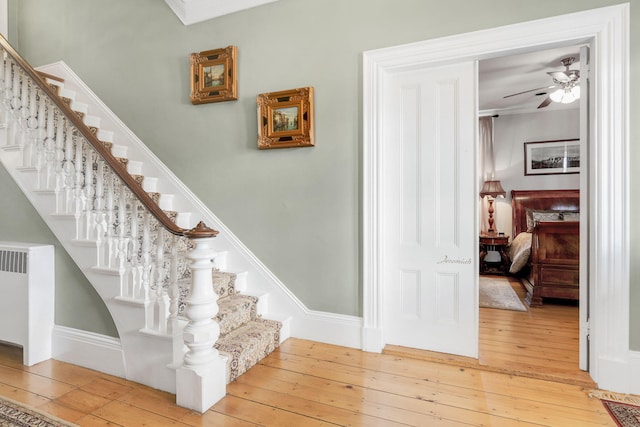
{"type": "Point", "coordinates": [14, 414]}
{"type": "Point", "coordinates": [496, 292]}
{"type": "Point", "coordinates": [623, 408]}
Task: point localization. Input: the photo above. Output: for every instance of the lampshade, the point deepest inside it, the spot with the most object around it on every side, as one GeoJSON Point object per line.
{"type": "Point", "coordinates": [493, 189]}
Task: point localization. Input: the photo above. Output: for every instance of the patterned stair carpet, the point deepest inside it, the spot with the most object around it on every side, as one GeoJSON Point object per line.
{"type": "Point", "coordinates": [245, 337]}
{"type": "Point", "coordinates": [14, 414]}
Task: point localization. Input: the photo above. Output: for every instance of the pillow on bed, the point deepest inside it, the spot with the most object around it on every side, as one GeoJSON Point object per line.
{"type": "Point", "coordinates": [519, 251]}
{"type": "Point", "coordinates": [571, 215]}
{"type": "Point", "coordinates": [534, 216]}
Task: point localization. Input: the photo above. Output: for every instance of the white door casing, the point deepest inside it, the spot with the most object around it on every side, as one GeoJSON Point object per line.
{"type": "Point", "coordinates": [585, 131]}
{"type": "Point", "coordinates": [429, 185]}
{"type": "Point", "coordinates": [607, 31]}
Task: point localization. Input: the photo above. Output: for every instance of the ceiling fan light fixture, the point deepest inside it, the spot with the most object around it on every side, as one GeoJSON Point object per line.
{"type": "Point", "coordinates": [575, 91]}
{"type": "Point", "coordinates": [556, 95]}
{"type": "Point", "coordinates": [566, 95]}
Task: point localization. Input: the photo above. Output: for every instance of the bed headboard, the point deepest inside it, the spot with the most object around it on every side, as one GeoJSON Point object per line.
{"type": "Point", "coordinates": [557, 200]}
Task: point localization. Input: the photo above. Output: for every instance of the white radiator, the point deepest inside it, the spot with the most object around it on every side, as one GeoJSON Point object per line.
{"type": "Point", "coordinates": [27, 298]}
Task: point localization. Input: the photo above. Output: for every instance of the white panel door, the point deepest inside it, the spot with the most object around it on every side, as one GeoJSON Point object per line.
{"type": "Point", "coordinates": [430, 239]}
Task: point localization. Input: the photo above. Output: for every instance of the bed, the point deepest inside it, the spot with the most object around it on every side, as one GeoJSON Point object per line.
{"type": "Point", "coordinates": [545, 250]}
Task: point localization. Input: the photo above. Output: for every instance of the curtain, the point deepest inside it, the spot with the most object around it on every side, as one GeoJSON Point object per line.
{"type": "Point", "coordinates": [486, 148]}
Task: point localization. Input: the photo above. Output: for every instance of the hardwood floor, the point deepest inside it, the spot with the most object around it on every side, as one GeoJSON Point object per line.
{"type": "Point", "coordinates": [539, 343]}
{"type": "Point", "coordinates": [305, 383]}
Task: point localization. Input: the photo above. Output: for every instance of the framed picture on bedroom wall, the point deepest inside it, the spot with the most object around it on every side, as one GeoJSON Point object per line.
{"type": "Point", "coordinates": [552, 157]}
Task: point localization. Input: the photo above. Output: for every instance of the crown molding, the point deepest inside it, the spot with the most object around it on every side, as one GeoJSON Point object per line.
{"type": "Point", "coordinates": [194, 11]}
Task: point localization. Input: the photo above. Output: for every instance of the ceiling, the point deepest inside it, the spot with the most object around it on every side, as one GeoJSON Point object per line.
{"type": "Point", "coordinates": [507, 75]}
{"type": "Point", "coordinates": [194, 11]}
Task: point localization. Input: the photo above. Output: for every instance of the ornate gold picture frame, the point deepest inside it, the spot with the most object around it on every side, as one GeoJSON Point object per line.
{"type": "Point", "coordinates": [285, 119]}
{"type": "Point", "coordinates": [214, 75]}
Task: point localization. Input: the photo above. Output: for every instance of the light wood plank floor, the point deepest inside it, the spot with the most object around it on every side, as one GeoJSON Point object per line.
{"type": "Point", "coordinates": [539, 343]}
{"type": "Point", "coordinates": [305, 383]}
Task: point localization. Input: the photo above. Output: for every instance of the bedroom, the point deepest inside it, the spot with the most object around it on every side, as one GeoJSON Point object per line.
{"type": "Point", "coordinates": [517, 121]}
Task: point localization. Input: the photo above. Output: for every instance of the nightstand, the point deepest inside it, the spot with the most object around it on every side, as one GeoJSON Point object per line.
{"type": "Point", "coordinates": [498, 243]}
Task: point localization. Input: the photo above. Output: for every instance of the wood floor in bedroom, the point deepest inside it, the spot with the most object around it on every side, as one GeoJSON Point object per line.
{"type": "Point", "coordinates": [539, 343]}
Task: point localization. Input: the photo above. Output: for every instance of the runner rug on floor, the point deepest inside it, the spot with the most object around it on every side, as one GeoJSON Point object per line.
{"type": "Point", "coordinates": [14, 414]}
{"type": "Point", "coordinates": [623, 408]}
{"type": "Point", "coordinates": [496, 292]}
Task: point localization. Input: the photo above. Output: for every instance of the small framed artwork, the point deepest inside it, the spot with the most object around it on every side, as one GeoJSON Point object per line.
{"type": "Point", "coordinates": [214, 75]}
{"type": "Point", "coordinates": [285, 119]}
{"type": "Point", "coordinates": [552, 157]}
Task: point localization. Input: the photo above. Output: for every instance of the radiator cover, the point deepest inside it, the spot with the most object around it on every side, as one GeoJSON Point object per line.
{"type": "Point", "coordinates": [27, 298]}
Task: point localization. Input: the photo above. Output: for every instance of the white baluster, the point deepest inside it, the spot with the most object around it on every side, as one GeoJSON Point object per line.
{"type": "Point", "coordinates": [30, 114]}
{"type": "Point", "coordinates": [59, 164]}
{"type": "Point", "coordinates": [134, 273]}
{"type": "Point", "coordinates": [174, 290]}
{"type": "Point", "coordinates": [122, 252]}
{"type": "Point", "coordinates": [15, 104]}
{"type": "Point", "coordinates": [89, 189]}
{"type": "Point", "coordinates": [37, 127]}
{"type": "Point", "coordinates": [7, 93]}
{"type": "Point", "coordinates": [109, 218]}
{"type": "Point", "coordinates": [69, 170]}
{"type": "Point", "coordinates": [26, 146]}
{"type": "Point", "coordinates": [146, 256]}
{"type": "Point", "coordinates": [79, 201]}
{"type": "Point", "coordinates": [161, 303]}
{"type": "Point", "coordinates": [99, 214]}
{"type": "Point", "coordinates": [50, 147]}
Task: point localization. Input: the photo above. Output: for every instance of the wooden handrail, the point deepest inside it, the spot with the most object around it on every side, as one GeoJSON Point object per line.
{"type": "Point", "coordinates": [200, 231]}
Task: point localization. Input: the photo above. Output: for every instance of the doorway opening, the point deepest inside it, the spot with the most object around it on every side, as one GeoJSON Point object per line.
{"type": "Point", "coordinates": [608, 177]}
{"type": "Point", "coordinates": [515, 97]}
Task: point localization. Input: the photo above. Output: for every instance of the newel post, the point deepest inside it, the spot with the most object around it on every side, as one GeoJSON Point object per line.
{"type": "Point", "coordinates": [202, 378]}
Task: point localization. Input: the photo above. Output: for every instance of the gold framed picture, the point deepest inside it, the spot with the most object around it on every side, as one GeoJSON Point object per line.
{"type": "Point", "coordinates": [214, 75]}
{"type": "Point", "coordinates": [285, 119]}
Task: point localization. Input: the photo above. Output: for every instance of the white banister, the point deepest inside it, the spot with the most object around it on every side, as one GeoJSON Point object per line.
{"type": "Point", "coordinates": [134, 238]}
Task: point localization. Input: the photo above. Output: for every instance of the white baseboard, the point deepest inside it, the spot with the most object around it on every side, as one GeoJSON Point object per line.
{"type": "Point", "coordinates": [329, 328]}
{"type": "Point", "coordinates": [620, 376]}
{"type": "Point", "coordinates": [90, 350]}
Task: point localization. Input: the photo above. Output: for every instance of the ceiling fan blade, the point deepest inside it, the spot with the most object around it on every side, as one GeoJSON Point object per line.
{"type": "Point", "coordinates": [560, 76]}
{"type": "Point", "coordinates": [527, 91]}
{"type": "Point", "coordinates": [545, 103]}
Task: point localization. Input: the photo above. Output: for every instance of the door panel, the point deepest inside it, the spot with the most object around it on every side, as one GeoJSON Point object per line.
{"type": "Point", "coordinates": [430, 285]}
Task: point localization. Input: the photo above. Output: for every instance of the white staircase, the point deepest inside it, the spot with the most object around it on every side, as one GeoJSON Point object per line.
{"type": "Point", "coordinates": [155, 283]}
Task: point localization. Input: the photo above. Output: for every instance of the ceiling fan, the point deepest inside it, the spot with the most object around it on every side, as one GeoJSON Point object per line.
{"type": "Point", "coordinates": [567, 83]}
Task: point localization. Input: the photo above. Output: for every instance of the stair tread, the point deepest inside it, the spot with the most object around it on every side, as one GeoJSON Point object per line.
{"type": "Point", "coordinates": [249, 344]}
{"type": "Point", "coordinates": [234, 311]}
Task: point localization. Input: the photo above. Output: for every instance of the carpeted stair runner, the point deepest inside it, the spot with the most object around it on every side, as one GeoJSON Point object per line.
{"type": "Point", "coordinates": [244, 337]}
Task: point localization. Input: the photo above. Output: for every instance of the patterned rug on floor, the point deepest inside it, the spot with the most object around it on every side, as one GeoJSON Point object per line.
{"type": "Point", "coordinates": [14, 414]}
{"type": "Point", "coordinates": [496, 292]}
{"type": "Point", "coordinates": [623, 408]}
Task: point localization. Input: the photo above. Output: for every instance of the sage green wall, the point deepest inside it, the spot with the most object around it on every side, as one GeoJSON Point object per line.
{"type": "Point", "coordinates": [299, 210]}
{"type": "Point", "coordinates": [77, 303]}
